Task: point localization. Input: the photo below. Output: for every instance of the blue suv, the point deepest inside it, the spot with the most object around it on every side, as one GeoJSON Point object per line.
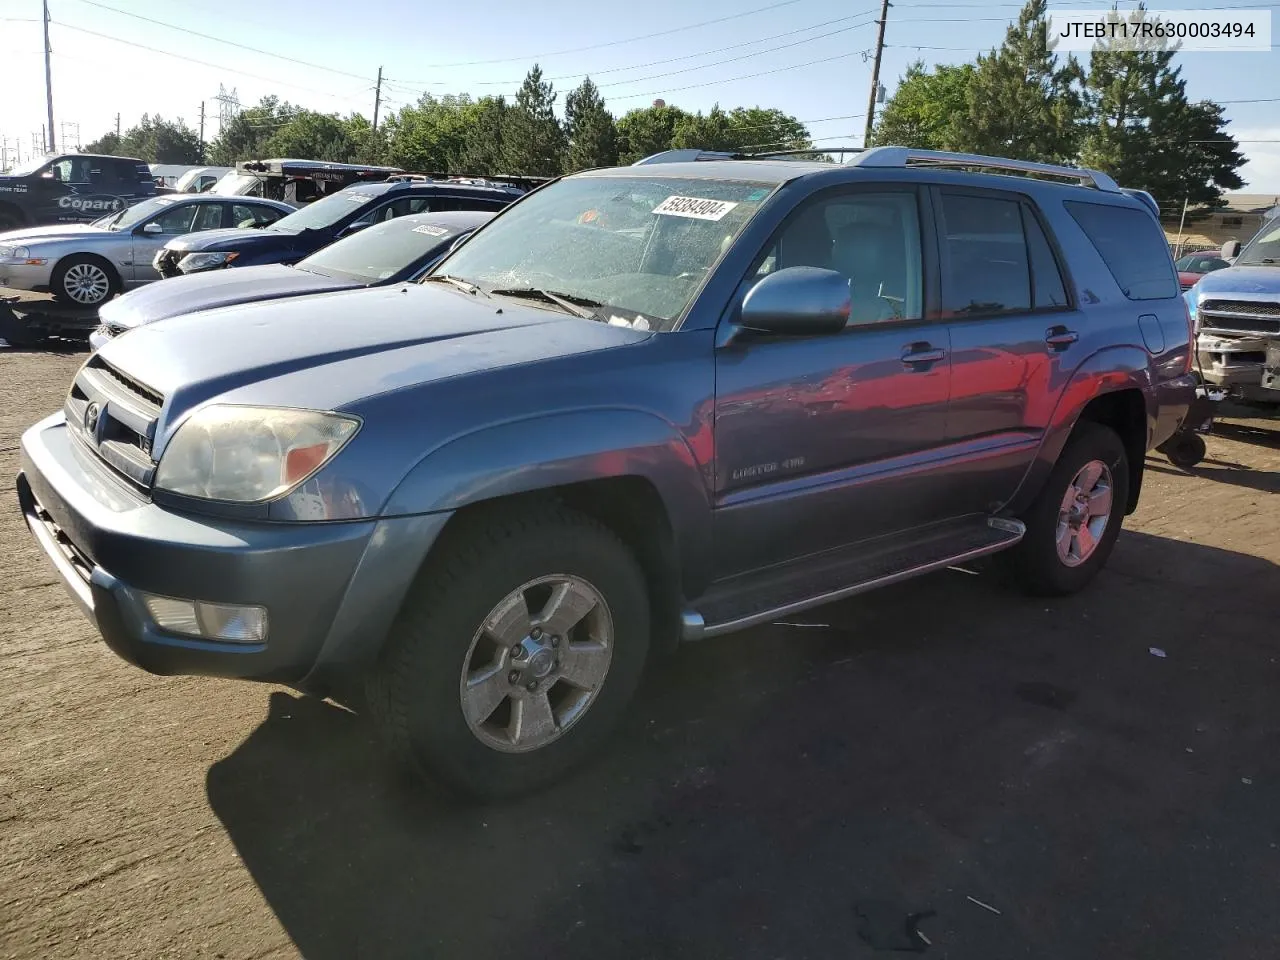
{"type": "Point", "coordinates": [641, 405]}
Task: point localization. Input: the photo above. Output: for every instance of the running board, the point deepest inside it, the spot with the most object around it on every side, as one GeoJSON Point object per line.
{"type": "Point", "coordinates": [759, 599]}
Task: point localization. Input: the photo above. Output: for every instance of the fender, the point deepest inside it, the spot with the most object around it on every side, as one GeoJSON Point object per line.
{"type": "Point", "coordinates": [1109, 370]}
{"type": "Point", "coordinates": [546, 451]}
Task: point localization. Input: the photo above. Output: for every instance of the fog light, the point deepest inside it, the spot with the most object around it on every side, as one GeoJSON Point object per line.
{"type": "Point", "coordinates": [208, 621]}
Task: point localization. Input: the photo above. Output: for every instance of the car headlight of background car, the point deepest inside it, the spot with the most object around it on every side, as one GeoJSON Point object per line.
{"type": "Point", "coordinates": [195, 262]}
{"type": "Point", "coordinates": [250, 454]}
{"type": "Point", "coordinates": [19, 253]}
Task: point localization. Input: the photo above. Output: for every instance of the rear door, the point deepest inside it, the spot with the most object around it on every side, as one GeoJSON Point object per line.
{"type": "Point", "coordinates": [820, 440]}
{"type": "Point", "coordinates": [1014, 338]}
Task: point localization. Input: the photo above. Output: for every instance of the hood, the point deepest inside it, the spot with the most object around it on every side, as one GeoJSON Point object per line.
{"type": "Point", "coordinates": [333, 350]}
{"type": "Point", "coordinates": [231, 238]}
{"type": "Point", "coordinates": [1241, 283]}
{"type": "Point", "coordinates": [34, 234]}
{"type": "Point", "coordinates": [216, 288]}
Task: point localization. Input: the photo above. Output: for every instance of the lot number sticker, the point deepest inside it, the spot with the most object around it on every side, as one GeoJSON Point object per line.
{"type": "Point", "coordinates": [431, 230]}
{"type": "Point", "coordinates": [694, 208]}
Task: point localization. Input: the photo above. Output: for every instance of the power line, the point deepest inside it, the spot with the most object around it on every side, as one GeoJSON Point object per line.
{"type": "Point", "coordinates": [656, 63]}
{"type": "Point", "coordinates": [745, 76]}
{"type": "Point", "coordinates": [613, 43]}
{"type": "Point", "coordinates": [189, 59]}
{"type": "Point", "coordinates": [229, 43]}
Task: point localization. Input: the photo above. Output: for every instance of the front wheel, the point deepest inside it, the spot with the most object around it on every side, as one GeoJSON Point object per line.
{"type": "Point", "coordinates": [515, 654]}
{"type": "Point", "coordinates": [1073, 524]}
{"type": "Point", "coordinates": [84, 281]}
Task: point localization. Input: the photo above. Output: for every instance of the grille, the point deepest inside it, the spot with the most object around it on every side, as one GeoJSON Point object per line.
{"type": "Point", "coordinates": [1241, 308]}
{"type": "Point", "coordinates": [115, 416]}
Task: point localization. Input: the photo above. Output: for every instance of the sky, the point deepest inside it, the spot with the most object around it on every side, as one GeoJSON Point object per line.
{"type": "Point", "coordinates": [809, 58]}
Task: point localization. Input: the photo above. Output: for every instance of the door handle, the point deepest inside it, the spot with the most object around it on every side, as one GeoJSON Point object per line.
{"type": "Point", "coordinates": [921, 353]}
{"type": "Point", "coordinates": [1060, 337]}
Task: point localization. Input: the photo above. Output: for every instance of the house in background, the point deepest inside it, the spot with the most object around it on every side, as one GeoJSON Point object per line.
{"type": "Point", "coordinates": [1240, 219]}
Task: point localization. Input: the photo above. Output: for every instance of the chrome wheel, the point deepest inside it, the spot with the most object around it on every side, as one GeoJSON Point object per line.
{"type": "Point", "coordinates": [86, 283]}
{"type": "Point", "coordinates": [537, 663]}
{"type": "Point", "coordinates": [1084, 513]}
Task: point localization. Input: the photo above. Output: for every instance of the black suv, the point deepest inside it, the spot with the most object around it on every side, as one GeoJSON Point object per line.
{"type": "Point", "coordinates": [317, 225]}
{"type": "Point", "coordinates": [71, 189]}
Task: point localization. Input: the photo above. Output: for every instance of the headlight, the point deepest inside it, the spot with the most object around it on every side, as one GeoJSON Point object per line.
{"type": "Point", "coordinates": [250, 454]}
{"type": "Point", "coordinates": [18, 253]}
{"type": "Point", "coordinates": [195, 262]}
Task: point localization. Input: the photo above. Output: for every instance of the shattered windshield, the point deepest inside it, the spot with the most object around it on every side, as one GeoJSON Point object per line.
{"type": "Point", "coordinates": [639, 247]}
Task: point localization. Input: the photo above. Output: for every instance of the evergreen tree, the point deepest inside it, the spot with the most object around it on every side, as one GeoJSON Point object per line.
{"type": "Point", "coordinates": [1143, 131]}
{"type": "Point", "coordinates": [592, 134]}
{"type": "Point", "coordinates": [1021, 103]}
{"type": "Point", "coordinates": [536, 142]}
{"type": "Point", "coordinates": [646, 131]}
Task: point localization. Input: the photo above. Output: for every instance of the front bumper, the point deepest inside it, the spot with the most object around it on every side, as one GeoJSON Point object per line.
{"type": "Point", "coordinates": [1237, 364]}
{"type": "Point", "coordinates": [331, 589]}
{"type": "Point", "coordinates": [19, 275]}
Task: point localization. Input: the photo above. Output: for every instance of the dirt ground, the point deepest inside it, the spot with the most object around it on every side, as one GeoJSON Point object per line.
{"type": "Point", "coordinates": [1093, 777]}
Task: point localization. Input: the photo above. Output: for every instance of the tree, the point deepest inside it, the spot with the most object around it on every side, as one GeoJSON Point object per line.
{"type": "Point", "coordinates": [246, 135]}
{"type": "Point", "coordinates": [308, 135]}
{"type": "Point", "coordinates": [1021, 103]}
{"type": "Point", "coordinates": [710, 132]}
{"type": "Point", "coordinates": [1142, 130]}
{"type": "Point", "coordinates": [535, 141]}
{"type": "Point", "coordinates": [153, 140]}
{"type": "Point", "coordinates": [928, 110]}
{"type": "Point", "coordinates": [590, 129]}
{"type": "Point", "coordinates": [646, 131]}
{"type": "Point", "coordinates": [767, 129]}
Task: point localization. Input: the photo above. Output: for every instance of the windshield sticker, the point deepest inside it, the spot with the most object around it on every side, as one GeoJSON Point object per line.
{"type": "Point", "coordinates": [694, 208]}
{"type": "Point", "coordinates": [431, 230]}
{"type": "Point", "coordinates": [639, 323]}
{"type": "Point", "coordinates": [757, 194]}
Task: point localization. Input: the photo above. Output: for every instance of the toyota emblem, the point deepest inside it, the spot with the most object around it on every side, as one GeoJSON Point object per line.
{"type": "Point", "coordinates": [91, 414]}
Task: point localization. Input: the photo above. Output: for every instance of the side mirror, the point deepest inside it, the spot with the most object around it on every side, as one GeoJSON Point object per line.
{"type": "Point", "coordinates": [354, 228]}
{"type": "Point", "coordinates": [798, 301]}
{"type": "Point", "coordinates": [152, 228]}
{"type": "Point", "coordinates": [1231, 250]}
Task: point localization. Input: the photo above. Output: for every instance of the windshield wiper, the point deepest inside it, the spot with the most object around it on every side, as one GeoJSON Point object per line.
{"type": "Point", "coordinates": [458, 282]}
{"type": "Point", "coordinates": [570, 303]}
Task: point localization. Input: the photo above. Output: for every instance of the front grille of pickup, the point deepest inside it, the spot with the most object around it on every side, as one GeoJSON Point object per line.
{"type": "Point", "coordinates": [115, 416]}
{"type": "Point", "coordinates": [1240, 315]}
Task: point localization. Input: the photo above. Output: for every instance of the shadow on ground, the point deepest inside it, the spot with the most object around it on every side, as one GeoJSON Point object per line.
{"type": "Point", "coordinates": [934, 742]}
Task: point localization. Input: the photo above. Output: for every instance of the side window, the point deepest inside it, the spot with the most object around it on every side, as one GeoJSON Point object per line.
{"type": "Point", "coordinates": [986, 268]}
{"type": "Point", "coordinates": [175, 220]}
{"type": "Point", "coordinates": [1048, 290]}
{"type": "Point", "coordinates": [871, 238]}
{"type": "Point", "coordinates": [208, 217]}
{"type": "Point", "coordinates": [1132, 245]}
{"type": "Point", "coordinates": [61, 171]}
{"type": "Point", "coordinates": [252, 215]}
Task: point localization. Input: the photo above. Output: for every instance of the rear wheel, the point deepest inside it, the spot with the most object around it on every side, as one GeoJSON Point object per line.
{"type": "Point", "coordinates": [1185, 449]}
{"type": "Point", "coordinates": [1073, 524]}
{"type": "Point", "coordinates": [515, 654]}
{"type": "Point", "coordinates": [84, 281]}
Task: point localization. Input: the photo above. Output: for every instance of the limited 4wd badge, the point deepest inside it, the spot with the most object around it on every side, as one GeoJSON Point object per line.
{"type": "Point", "coordinates": [98, 204]}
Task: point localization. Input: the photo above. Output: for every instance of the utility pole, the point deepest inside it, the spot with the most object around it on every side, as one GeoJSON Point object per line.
{"type": "Point", "coordinates": [117, 126]}
{"type": "Point", "coordinates": [875, 73]}
{"type": "Point", "coordinates": [377, 100]}
{"type": "Point", "coordinates": [202, 131]}
{"type": "Point", "coordinates": [48, 78]}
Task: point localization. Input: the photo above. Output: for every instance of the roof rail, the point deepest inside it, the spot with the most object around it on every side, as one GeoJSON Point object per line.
{"type": "Point", "coordinates": [1145, 197]}
{"type": "Point", "coordinates": [798, 152]}
{"type": "Point", "coordinates": [904, 156]}
{"type": "Point", "coordinates": [687, 156]}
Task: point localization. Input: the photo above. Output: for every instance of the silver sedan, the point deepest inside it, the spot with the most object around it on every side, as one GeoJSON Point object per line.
{"type": "Point", "coordinates": [85, 264]}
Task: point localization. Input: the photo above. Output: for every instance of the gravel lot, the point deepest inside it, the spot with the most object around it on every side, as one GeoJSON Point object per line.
{"type": "Point", "coordinates": [936, 742]}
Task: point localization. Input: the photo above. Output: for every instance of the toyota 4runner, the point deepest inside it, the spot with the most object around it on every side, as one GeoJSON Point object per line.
{"type": "Point", "coordinates": [644, 404]}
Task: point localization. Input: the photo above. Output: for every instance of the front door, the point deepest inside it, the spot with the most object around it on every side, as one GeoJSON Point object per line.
{"type": "Point", "coordinates": [824, 441]}
{"type": "Point", "coordinates": [1014, 338]}
{"type": "Point", "coordinates": [62, 193]}
{"type": "Point", "coordinates": [173, 221]}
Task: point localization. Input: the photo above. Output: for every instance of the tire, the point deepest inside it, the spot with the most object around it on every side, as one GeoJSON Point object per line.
{"type": "Point", "coordinates": [1037, 563]}
{"type": "Point", "coordinates": [1184, 449]}
{"type": "Point", "coordinates": [415, 693]}
{"type": "Point", "coordinates": [84, 281]}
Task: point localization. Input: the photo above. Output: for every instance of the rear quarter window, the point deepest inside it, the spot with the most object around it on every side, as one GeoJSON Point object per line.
{"type": "Point", "coordinates": [1133, 247]}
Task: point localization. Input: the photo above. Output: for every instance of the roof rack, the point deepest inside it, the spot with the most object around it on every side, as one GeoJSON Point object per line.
{"type": "Point", "coordinates": [905, 156]}
{"type": "Point", "coordinates": [691, 155]}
